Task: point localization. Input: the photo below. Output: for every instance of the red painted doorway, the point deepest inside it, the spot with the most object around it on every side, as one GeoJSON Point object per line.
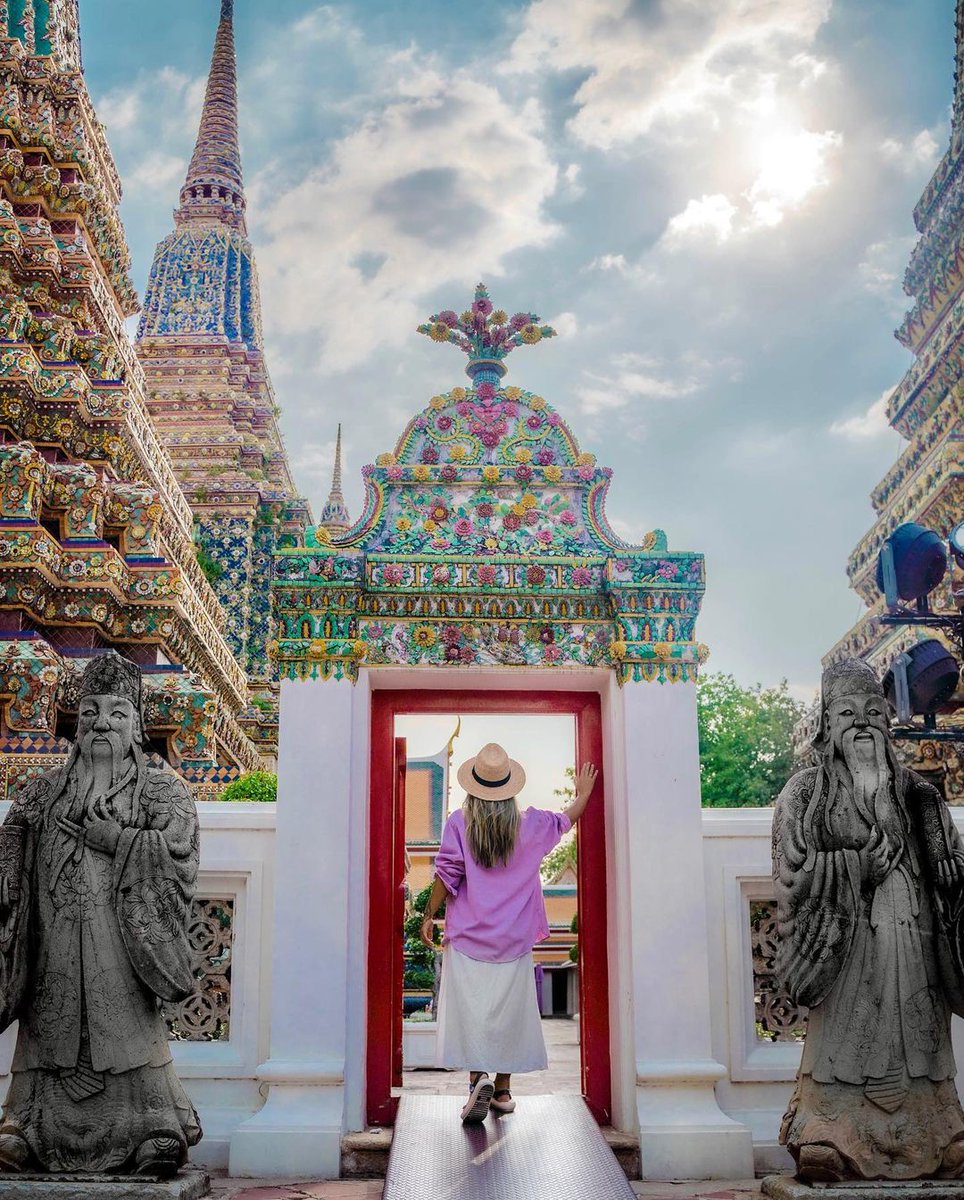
{"type": "Point", "coordinates": [386, 854]}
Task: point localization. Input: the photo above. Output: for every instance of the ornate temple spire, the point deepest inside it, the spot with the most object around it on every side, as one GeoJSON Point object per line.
{"type": "Point", "coordinates": [334, 516]}
{"type": "Point", "coordinates": [214, 187]}
{"type": "Point", "coordinates": [958, 116]}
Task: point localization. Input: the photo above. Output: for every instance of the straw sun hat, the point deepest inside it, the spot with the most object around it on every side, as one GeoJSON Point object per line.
{"type": "Point", "coordinates": [492, 775]}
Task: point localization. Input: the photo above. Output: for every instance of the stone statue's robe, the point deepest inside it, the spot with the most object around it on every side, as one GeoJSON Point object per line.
{"type": "Point", "coordinates": [94, 944]}
{"type": "Point", "coordinates": [877, 1077]}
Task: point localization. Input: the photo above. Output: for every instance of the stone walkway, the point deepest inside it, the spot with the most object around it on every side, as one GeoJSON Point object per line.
{"type": "Point", "coordinates": [267, 1189]}
{"type": "Point", "coordinates": [562, 1077]}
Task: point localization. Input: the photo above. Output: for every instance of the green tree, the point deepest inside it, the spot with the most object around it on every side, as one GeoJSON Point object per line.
{"type": "Point", "coordinates": [419, 960]}
{"type": "Point", "coordinates": [746, 753]}
{"type": "Point", "coordinates": [565, 852]}
{"type": "Point", "coordinates": [259, 786]}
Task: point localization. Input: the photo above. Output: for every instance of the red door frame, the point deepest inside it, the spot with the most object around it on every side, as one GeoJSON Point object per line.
{"type": "Point", "coordinates": [382, 933]}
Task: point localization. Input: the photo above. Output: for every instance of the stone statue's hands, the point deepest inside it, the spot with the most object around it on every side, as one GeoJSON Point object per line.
{"type": "Point", "coordinates": [103, 835]}
{"type": "Point", "coordinates": [6, 904]}
{"type": "Point", "coordinates": [881, 856]}
{"type": "Point", "coordinates": [950, 872]}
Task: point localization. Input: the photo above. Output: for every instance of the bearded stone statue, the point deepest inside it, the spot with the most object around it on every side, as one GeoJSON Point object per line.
{"type": "Point", "coordinates": [97, 869]}
{"type": "Point", "coordinates": [869, 875]}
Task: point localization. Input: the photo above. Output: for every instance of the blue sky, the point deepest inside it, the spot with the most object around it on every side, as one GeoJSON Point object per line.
{"type": "Point", "coordinates": [710, 199]}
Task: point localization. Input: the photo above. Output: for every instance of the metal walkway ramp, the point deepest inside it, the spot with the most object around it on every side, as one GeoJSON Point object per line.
{"type": "Point", "coordinates": [550, 1148]}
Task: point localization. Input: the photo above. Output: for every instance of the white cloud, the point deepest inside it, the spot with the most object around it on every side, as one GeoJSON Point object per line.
{"type": "Point", "coordinates": [871, 424]}
{"type": "Point", "coordinates": [647, 72]}
{"type": "Point", "coordinates": [635, 377]}
{"type": "Point", "coordinates": [409, 193]}
{"type": "Point", "coordinates": [909, 157]}
{"type": "Point", "coordinates": [793, 164]}
{"type": "Point", "coordinates": [881, 270]}
{"type": "Point", "coordinates": [314, 461]}
{"type": "Point", "coordinates": [710, 216]}
{"type": "Point", "coordinates": [566, 324]}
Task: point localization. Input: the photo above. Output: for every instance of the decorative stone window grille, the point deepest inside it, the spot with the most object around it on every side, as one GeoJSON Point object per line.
{"type": "Point", "coordinates": [205, 1016]}
{"type": "Point", "coordinates": [778, 1019]}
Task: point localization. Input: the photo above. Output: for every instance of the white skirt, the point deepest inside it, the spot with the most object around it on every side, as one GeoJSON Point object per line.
{"type": "Point", "coordinates": [488, 1016]}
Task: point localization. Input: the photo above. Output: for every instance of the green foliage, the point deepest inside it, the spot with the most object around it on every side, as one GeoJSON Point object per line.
{"type": "Point", "coordinates": [745, 733]}
{"type": "Point", "coordinates": [210, 567]}
{"type": "Point", "coordinates": [565, 852]}
{"type": "Point", "coordinates": [419, 960]}
{"type": "Point", "coordinates": [574, 949]}
{"type": "Point", "coordinates": [258, 786]}
{"type": "Point", "coordinates": [263, 703]}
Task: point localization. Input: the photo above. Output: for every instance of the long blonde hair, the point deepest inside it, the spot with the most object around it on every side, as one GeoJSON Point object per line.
{"type": "Point", "coordinates": [491, 826]}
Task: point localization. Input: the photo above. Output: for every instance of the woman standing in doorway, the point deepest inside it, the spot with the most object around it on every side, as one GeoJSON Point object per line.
{"type": "Point", "coordinates": [487, 872]}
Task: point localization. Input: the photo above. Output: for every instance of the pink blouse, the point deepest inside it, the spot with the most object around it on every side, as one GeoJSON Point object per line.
{"type": "Point", "coordinates": [497, 914]}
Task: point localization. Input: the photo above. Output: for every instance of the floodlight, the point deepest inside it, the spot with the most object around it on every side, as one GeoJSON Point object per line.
{"type": "Point", "coordinates": [911, 564]}
{"type": "Point", "coordinates": [930, 675]}
{"type": "Point", "coordinates": [956, 542]}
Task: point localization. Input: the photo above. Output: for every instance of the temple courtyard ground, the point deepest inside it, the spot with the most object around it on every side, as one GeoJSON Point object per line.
{"type": "Point", "coordinates": [562, 1077]}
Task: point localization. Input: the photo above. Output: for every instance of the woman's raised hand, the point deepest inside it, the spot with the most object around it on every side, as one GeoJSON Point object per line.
{"type": "Point", "coordinates": [585, 781]}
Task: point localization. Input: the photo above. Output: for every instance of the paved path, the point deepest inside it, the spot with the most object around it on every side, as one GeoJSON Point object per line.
{"type": "Point", "coordinates": [562, 1077]}
{"type": "Point", "coordinates": [268, 1189]}
{"type": "Point", "coordinates": [550, 1147]}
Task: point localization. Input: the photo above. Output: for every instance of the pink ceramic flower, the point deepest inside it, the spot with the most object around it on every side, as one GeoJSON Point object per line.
{"type": "Point", "coordinates": [519, 320]}
{"type": "Point", "coordinates": [581, 576]}
{"type": "Point", "coordinates": [586, 472]}
{"type": "Point", "coordinates": [485, 510]}
{"type": "Point", "coordinates": [393, 573]}
{"type": "Point", "coordinates": [523, 473]}
{"type": "Point", "coordinates": [553, 418]}
{"type": "Point", "coordinates": [444, 422]}
{"type": "Point", "coordinates": [536, 574]}
{"type": "Point", "coordinates": [510, 521]}
{"type": "Point", "coordinates": [485, 391]}
{"type": "Point", "coordinates": [448, 473]}
{"type": "Point", "coordinates": [544, 457]}
{"type": "Point", "coordinates": [464, 408]}
{"type": "Point", "coordinates": [510, 408]}
{"type": "Point", "coordinates": [534, 421]}
{"type": "Point", "coordinates": [552, 653]}
{"type": "Point", "coordinates": [545, 536]}
{"type": "Point", "coordinates": [467, 654]}
{"type": "Point", "coordinates": [482, 305]}
{"type": "Point", "coordinates": [449, 318]}
{"type": "Point", "coordinates": [441, 574]}
{"type": "Point", "coordinates": [451, 635]}
{"type": "Point", "coordinates": [451, 653]}
{"type": "Point", "coordinates": [463, 527]}
{"type": "Point", "coordinates": [567, 517]}
{"type": "Point", "coordinates": [489, 438]}
{"type": "Point", "coordinates": [486, 573]}
{"type": "Point", "coordinates": [395, 472]}
{"type": "Point", "coordinates": [430, 454]}
{"type": "Point", "coordinates": [421, 422]}
{"type": "Point", "coordinates": [531, 517]}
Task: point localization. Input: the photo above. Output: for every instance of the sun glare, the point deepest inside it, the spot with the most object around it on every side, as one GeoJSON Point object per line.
{"type": "Point", "coordinates": [792, 165]}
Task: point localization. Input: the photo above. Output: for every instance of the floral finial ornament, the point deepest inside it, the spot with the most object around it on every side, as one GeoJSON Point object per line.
{"type": "Point", "coordinates": [486, 334]}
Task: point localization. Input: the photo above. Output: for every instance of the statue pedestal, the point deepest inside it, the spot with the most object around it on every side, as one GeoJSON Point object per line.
{"type": "Point", "coordinates": [786, 1187]}
{"type": "Point", "coordinates": [189, 1184]}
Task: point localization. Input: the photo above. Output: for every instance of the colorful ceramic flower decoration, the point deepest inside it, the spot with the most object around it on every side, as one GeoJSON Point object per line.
{"type": "Point", "coordinates": [485, 333]}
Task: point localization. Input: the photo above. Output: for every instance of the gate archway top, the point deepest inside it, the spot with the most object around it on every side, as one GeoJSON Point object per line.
{"type": "Point", "coordinates": [484, 540]}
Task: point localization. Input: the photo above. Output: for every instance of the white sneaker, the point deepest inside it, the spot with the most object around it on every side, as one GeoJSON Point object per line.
{"type": "Point", "coordinates": [503, 1106]}
{"type": "Point", "coordinates": [477, 1105]}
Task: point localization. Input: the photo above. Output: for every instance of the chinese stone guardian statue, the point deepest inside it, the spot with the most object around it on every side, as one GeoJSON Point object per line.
{"type": "Point", "coordinates": [97, 869]}
{"type": "Point", "coordinates": [869, 875]}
